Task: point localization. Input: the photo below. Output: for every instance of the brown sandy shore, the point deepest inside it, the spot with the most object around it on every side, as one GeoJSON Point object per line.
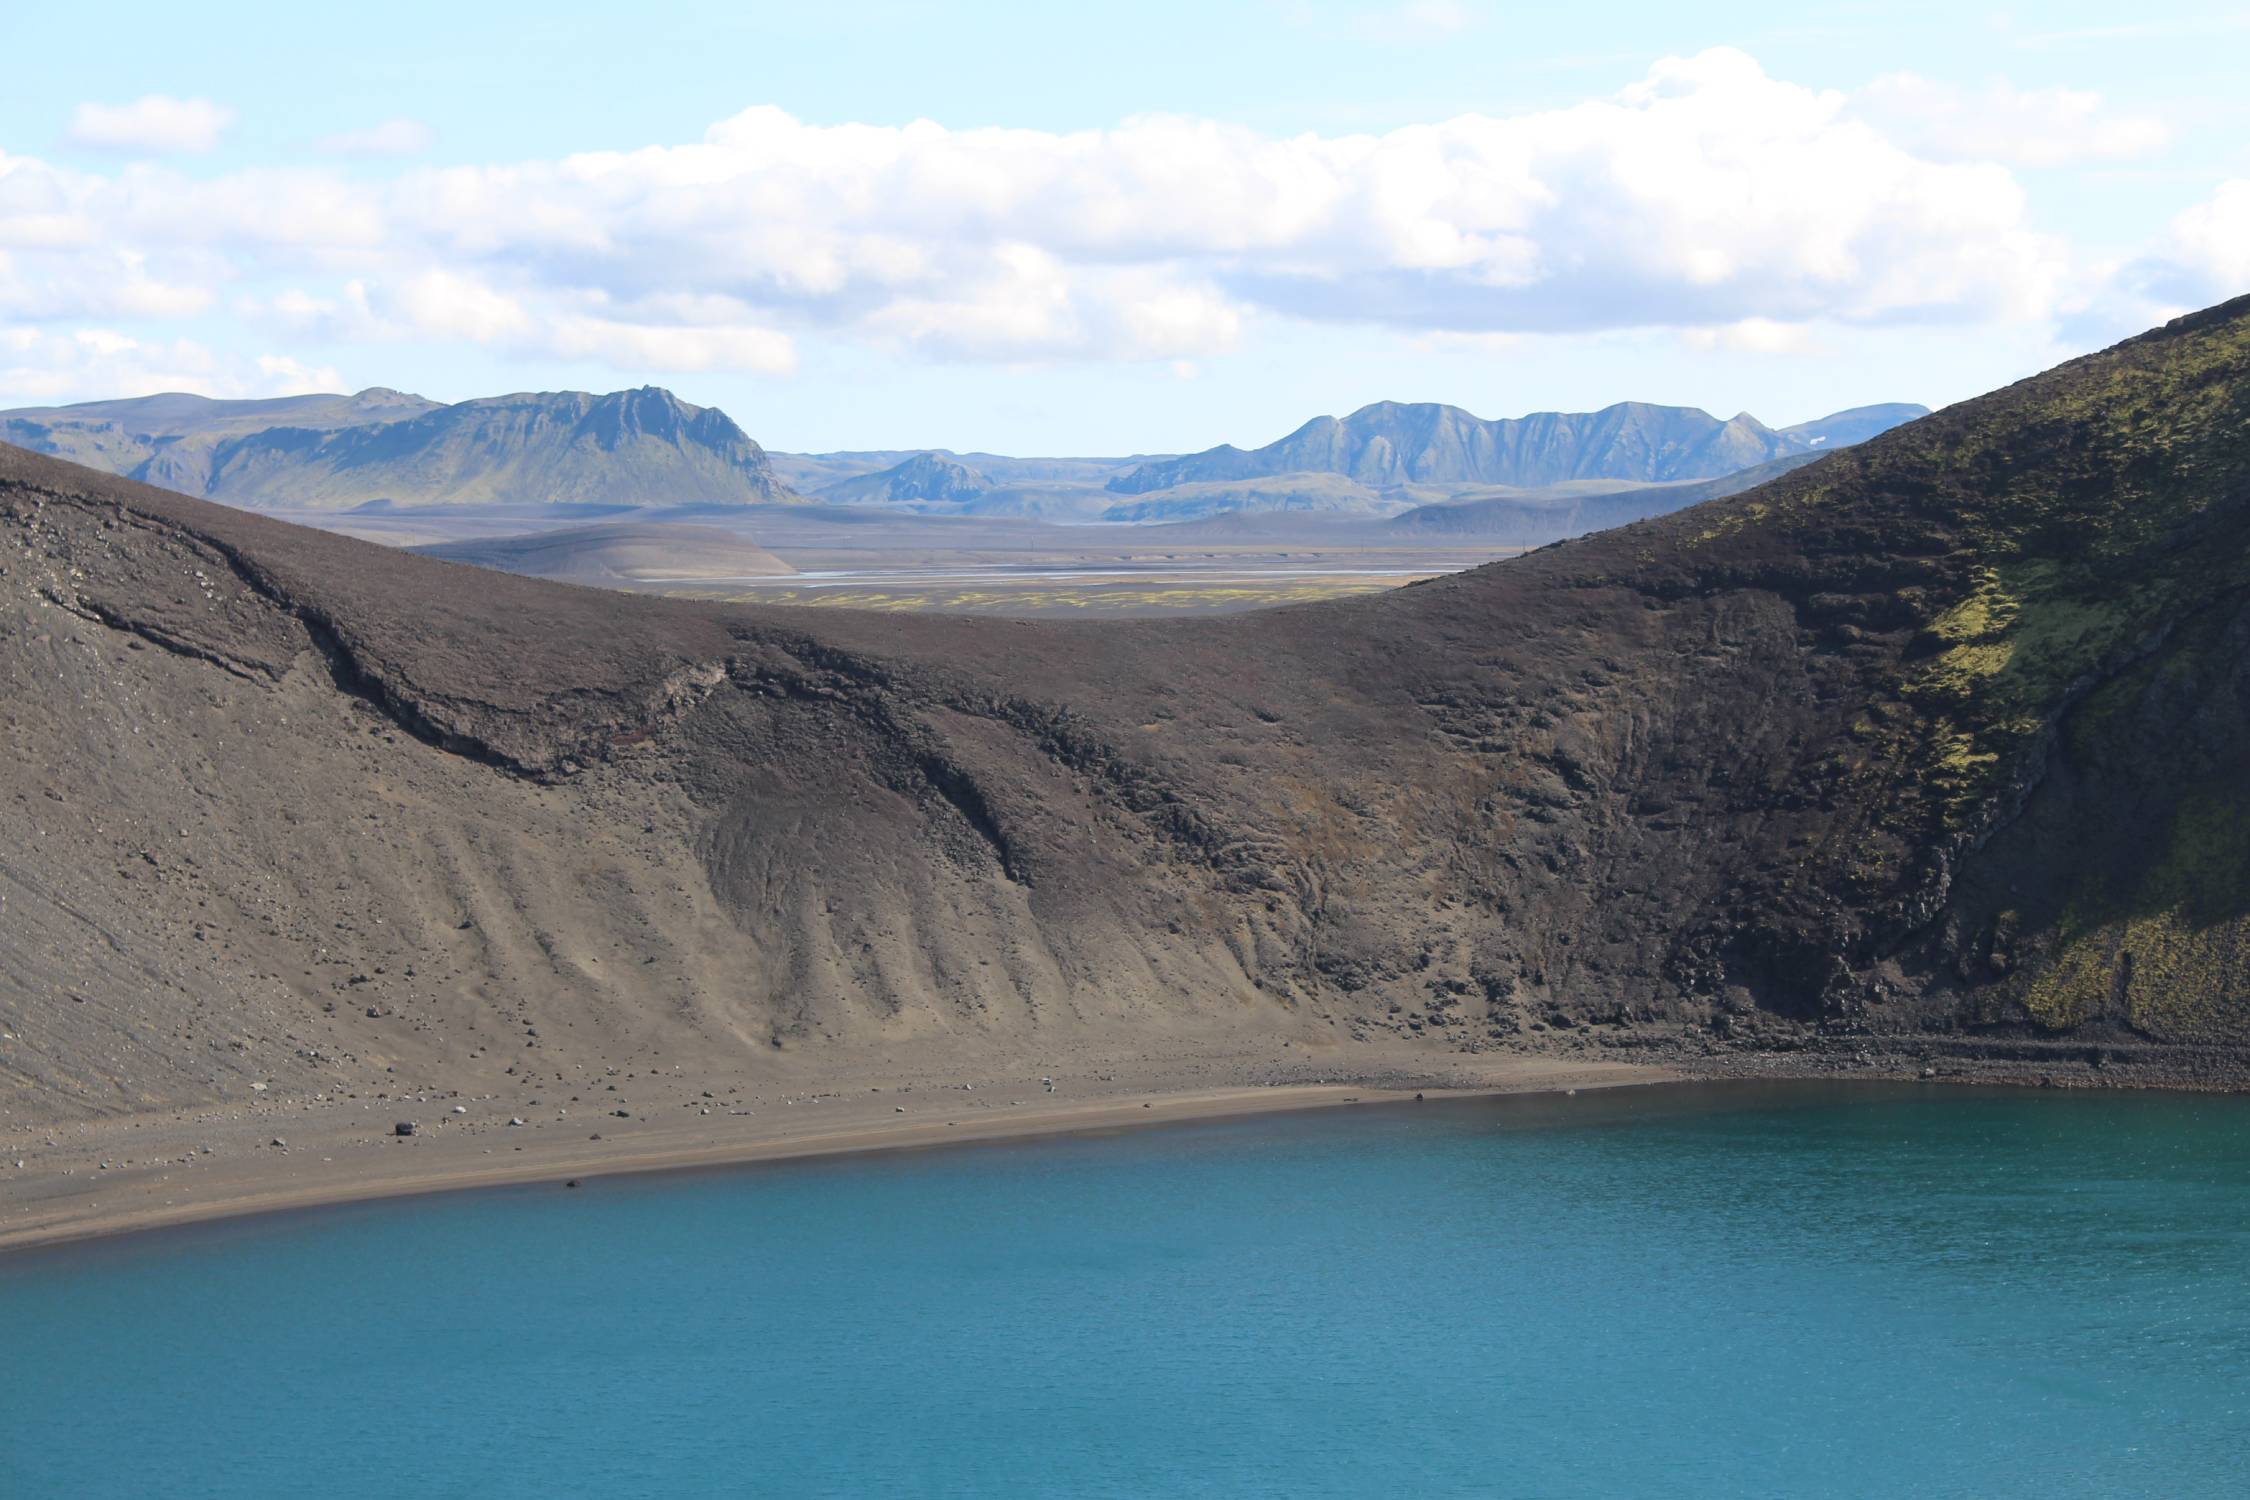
{"type": "Point", "coordinates": [117, 1175]}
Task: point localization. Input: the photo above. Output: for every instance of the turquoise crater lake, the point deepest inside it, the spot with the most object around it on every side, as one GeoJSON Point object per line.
{"type": "Point", "coordinates": [1741, 1290]}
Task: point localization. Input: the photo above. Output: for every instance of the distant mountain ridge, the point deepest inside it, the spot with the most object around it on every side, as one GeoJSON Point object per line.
{"type": "Point", "coordinates": [810, 472]}
{"type": "Point", "coordinates": [1392, 443]}
{"type": "Point", "coordinates": [337, 452]}
{"type": "Point", "coordinates": [1855, 424]}
{"type": "Point", "coordinates": [929, 477]}
{"type": "Point", "coordinates": [647, 447]}
{"type": "Point", "coordinates": [1537, 517]}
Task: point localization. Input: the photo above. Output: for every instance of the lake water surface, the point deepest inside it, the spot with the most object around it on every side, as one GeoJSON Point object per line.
{"type": "Point", "coordinates": [1744, 1290]}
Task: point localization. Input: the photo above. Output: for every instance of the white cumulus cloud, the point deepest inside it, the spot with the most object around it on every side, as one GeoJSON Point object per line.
{"type": "Point", "coordinates": [2210, 242]}
{"type": "Point", "coordinates": [2001, 123]}
{"type": "Point", "coordinates": [1704, 194]}
{"type": "Point", "coordinates": [153, 123]}
{"type": "Point", "coordinates": [1706, 197]}
{"type": "Point", "coordinates": [664, 335]}
{"type": "Point", "coordinates": [38, 365]}
{"type": "Point", "coordinates": [671, 347]}
{"type": "Point", "coordinates": [99, 283]}
{"type": "Point", "coordinates": [1755, 336]}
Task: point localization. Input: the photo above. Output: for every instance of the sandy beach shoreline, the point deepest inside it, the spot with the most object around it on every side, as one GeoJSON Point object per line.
{"type": "Point", "coordinates": [124, 1176]}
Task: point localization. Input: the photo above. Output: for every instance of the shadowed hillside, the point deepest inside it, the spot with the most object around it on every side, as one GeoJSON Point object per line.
{"type": "Point", "coordinates": [176, 441]}
{"type": "Point", "coordinates": [620, 553]}
{"type": "Point", "coordinates": [1938, 741]}
{"type": "Point", "coordinates": [337, 452]}
{"type": "Point", "coordinates": [924, 477]}
{"type": "Point", "coordinates": [1533, 520]}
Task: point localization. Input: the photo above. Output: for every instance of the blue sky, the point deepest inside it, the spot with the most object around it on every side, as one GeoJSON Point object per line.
{"type": "Point", "coordinates": [1145, 228]}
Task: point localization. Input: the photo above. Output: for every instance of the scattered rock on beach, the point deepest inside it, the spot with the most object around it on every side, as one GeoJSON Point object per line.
{"type": "Point", "coordinates": [403, 1127]}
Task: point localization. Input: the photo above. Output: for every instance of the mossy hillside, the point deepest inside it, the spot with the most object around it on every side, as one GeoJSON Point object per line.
{"type": "Point", "coordinates": [2012, 653]}
{"type": "Point", "coordinates": [2095, 579]}
{"type": "Point", "coordinates": [2107, 501]}
{"type": "Point", "coordinates": [2153, 927]}
{"type": "Point", "coordinates": [2115, 507]}
{"type": "Point", "coordinates": [2029, 542]}
{"type": "Point", "coordinates": [1980, 576]}
{"type": "Point", "coordinates": [2165, 949]}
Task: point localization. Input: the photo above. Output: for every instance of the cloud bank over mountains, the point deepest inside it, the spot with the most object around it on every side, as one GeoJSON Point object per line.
{"type": "Point", "coordinates": [1707, 197]}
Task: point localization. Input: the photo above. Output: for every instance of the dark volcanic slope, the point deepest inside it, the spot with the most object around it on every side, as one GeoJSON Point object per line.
{"type": "Point", "coordinates": [1941, 736]}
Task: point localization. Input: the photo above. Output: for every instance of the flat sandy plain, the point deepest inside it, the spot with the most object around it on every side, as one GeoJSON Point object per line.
{"type": "Point", "coordinates": [1103, 588]}
{"type": "Point", "coordinates": [140, 1172]}
{"type": "Point", "coordinates": [1019, 569]}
